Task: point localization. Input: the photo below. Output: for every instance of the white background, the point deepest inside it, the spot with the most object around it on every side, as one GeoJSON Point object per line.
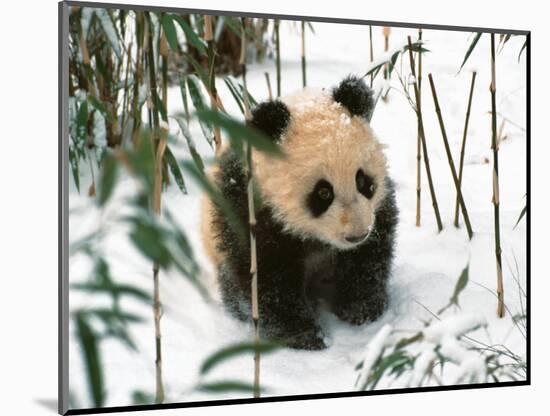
{"type": "Point", "coordinates": [29, 194]}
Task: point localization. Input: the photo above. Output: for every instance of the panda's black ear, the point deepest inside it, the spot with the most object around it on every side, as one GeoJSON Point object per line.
{"type": "Point", "coordinates": [354, 94]}
{"type": "Point", "coordinates": [271, 118]}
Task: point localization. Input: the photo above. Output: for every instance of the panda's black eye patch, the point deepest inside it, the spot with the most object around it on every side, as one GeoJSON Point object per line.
{"type": "Point", "coordinates": [320, 198]}
{"type": "Point", "coordinates": [365, 184]}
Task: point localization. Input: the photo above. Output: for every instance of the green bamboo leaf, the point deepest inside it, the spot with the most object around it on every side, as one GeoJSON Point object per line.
{"type": "Point", "coordinates": [175, 169]}
{"type": "Point", "coordinates": [460, 284]}
{"type": "Point", "coordinates": [503, 40]}
{"type": "Point", "coordinates": [160, 106]}
{"type": "Point", "coordinates": [89, 341]}
{"type": "Point", "coordinates": [114, 289]}
{"type": "Point", "coordinates": [227, 387]}
{"type": "Point", "coordinates": [236, 350]}
{"type": "Point", "coordinates": [198, 100]}
{"type": "Point", "coordinates": [199, 69]}
{"type": "Point", "coordinates": [522, 48]}
{"type": "Point", "coordinates": [140, 397]}
{"type": "Point", "coordinates": [240, 133]}
{"type": "Point", "coordinates": [107, 179]}
{"type": "Point", "coordinates": [110, 315]}
{"type": "Point", "coordinates": [521, 215]}
{"type": "Point", "coordinates": [234, 93]}
{"type": "Point", "coordinates": [190, 142]}
{"type": "Point", "coordinates": [190, 34]}
{"type": "Point", "coordinates": [459, 287]}
{"type": "Point", "coordinates": [82, 123]}
{"type": "Point", "coordinates": [183, 90]}
{"type": "Point", "coordinates": [142, 160]}
{"type": "Point", "coordinates": [149, 240]}
{"type": "Point", "coordinates": [73, 161]}
{"type": "Point", "coordinates": [167, 23]}
{"type": "Point", "coordinates": [470, 49]}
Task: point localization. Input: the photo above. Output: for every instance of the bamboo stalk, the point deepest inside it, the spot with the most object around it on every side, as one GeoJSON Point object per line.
{"type": "Point", "coordinates": [137, 81]}
{"type": "Point", "coordinates": [418, 140]}
{"type": "Point", "coordinates": [214, 100]}
{"type": "Point", "coordinates": [125, 95]}
{"type": "Point", "coordinates": [252, 226]}
{"type": "Point", "coordinates": [423, 139]}
{"type": "Point", "coordinates": [496, 200]}
{"type": "Point", "coordinates": [157, 188]}
{"type": "Point", "coordinates": [304, 82]}
{"type": "Point", "coordinates": [463, 145]}
{"type": "Point", "coordinates": [450, 159]}
{"type": "Point", "coordinates": [270, 93]}
{"type": "Point", "coordinates": [371, 53]}
{"type": "Point", "coordinates": [386, 30]}
{"type": "Point", "coordinates": [278, 57]}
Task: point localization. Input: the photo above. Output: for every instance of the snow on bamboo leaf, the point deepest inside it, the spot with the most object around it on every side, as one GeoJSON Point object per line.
{"type": "Point", "coordinates": [109, 29]}
{"type": "Point", "coordinates": [374, 350]}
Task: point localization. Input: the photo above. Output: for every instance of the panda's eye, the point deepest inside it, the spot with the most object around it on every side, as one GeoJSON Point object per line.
{"type": "Point", "coordinates": [324, 193]}
{"type": "Point", "coordinates": [365, 184]}
{"type": "Point", "coordinates": [320, 198]}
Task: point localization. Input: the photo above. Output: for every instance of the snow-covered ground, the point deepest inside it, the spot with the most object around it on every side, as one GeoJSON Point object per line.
{"type": "Point", "coordinates": [427, 264]}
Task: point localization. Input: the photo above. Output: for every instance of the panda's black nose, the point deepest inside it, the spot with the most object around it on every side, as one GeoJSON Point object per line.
{"type": "Point", "coordinates": [356, 238]}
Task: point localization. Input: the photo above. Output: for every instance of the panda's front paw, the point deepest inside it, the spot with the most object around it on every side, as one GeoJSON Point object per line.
{"type": "Point", "coordinates": [359, 312]}
{"type": "Point", "coordinates": [312, 339]}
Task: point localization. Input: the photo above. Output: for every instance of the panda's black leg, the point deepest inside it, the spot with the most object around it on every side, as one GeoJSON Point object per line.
{"type": "Point", "coordinates": [285, 314]}
{"type": "Point", "coordinates": [362, 298]}
{"type": "Point", "coordinates": [234, 298]}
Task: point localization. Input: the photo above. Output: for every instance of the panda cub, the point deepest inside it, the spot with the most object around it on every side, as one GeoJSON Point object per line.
{"type": "Point", "coordinates": [325, 221]}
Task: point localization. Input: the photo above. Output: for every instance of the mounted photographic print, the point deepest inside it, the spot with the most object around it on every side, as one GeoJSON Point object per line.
{"type": "Point", "coordinates": [260, 208]}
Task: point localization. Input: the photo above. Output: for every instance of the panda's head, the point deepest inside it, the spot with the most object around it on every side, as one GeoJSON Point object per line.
{"type": "Point", "coordinates": [332, 180]}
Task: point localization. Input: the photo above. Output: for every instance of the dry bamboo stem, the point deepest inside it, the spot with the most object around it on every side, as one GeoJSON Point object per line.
{"type": "Point", "coordinates": [463, 146]}
{"type": "Point", "coordinates": [496, 201]}
{"type": "Point", "coordinates": [214, 100]}
{"type": "Point", "coordinates": [252, 226]}
{"type": "Point", "coordinates": [450, 159]}
{"type": "Point", "coordinates": [270, 93]}
{"type": "Point", "coordinates": [304, 54]}
{"type": "Point", "coordinates": [418, 140]}
{"type": "Point", "coordinates": [157, 188]}
{"type": "Point", "coordinates": [278, 57]}
{"type": "Point", "coordinates": [423, 139]}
